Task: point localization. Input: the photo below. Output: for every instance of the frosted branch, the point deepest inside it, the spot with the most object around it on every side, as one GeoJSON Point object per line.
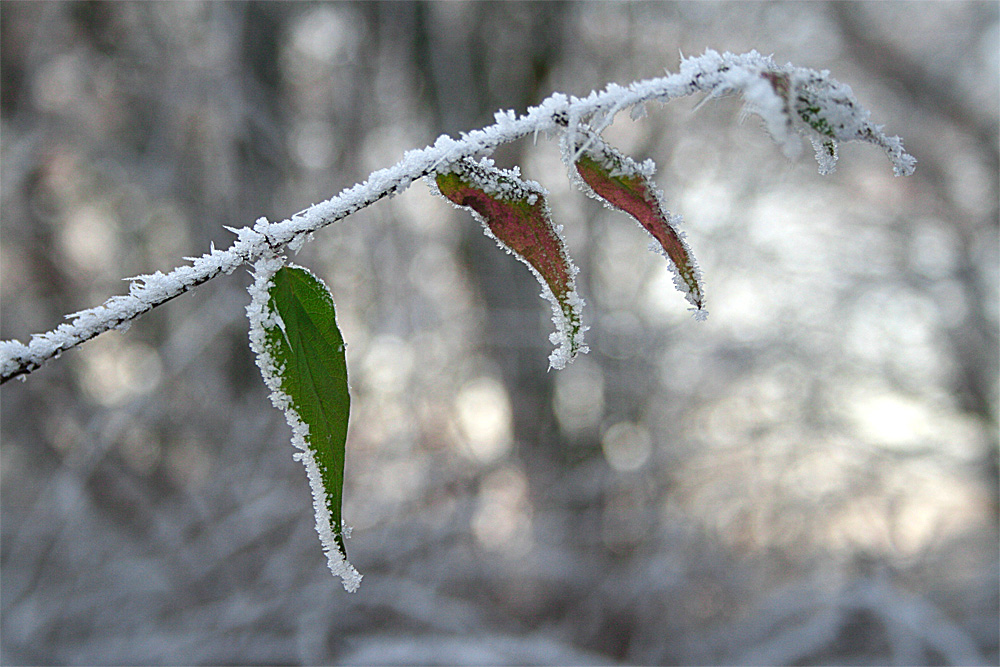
{"type": "Point", "coordinates": [793, 102]}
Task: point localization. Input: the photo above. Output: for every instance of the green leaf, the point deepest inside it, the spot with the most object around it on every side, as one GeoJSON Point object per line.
{"type": "Point", "coordinates": [300, 351]}
{"type": "Point", "coordinates": [516, 214]}
{"type": "Point", "coordinates": [306, 342]}
{"type": "Point", "coordinates": [627, 186]}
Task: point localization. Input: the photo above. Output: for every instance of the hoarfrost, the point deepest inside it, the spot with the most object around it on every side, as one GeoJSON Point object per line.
{"type": "Point", "coordinates": [826, 154]}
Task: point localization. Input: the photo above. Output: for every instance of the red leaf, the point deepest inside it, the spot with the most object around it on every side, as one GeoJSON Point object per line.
{"type": "Point", "coordinates": [626, 186]}
{"type": "Point", "coordinates": [516, 214]}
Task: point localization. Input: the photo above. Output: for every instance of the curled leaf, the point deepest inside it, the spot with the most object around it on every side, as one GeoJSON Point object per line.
{"type": "Point", "coordinates": [516, 214]}
{"type": "Point", "coordinates": [626, 185]}
{"type": "Point", "coordinates": [300, 352]}
{"type": "Point", "coordinates": [826, 111]}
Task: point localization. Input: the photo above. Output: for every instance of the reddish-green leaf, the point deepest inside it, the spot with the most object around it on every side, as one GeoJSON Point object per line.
{"type": "Point", "coordinates": [515, 213]}
{"type": "Point", "coordinates": [626, 186]}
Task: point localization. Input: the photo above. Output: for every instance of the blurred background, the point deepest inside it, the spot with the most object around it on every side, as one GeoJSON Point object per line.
{"type": "Point", "coordinates": [808, 477]}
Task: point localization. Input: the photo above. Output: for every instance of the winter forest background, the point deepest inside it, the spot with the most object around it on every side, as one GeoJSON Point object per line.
{"type": "Point", "coordinates": [810, 476]}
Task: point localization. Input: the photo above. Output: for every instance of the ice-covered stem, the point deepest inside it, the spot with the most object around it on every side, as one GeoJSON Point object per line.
{"type": "Point", "coordinates": [792, 101]}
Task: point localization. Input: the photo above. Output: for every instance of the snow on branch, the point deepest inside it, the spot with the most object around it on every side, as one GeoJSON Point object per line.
{"type": "Point", "coordinates": [793, 102]}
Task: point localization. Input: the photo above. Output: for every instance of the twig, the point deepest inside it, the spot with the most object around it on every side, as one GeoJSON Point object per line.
{"type": "Point", "coordinates": [751, 73]}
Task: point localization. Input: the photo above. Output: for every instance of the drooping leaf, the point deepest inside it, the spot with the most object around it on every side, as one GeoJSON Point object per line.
{"type": "Point", "coordinates": [516, 214]}
{"type": "Point", "coordinates": [826, 112]}
{"type": "Point", "coordinates": [627, 186]}
{"type": "Point", "coordinates": [301, 355]}
{"type": "Point", "coordinates": [308, 343]}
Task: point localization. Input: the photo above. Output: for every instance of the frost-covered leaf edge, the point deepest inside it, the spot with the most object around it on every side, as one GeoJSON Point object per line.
{"type": "Point", "coordinates": [507, 185]}
{"type": "Point", "coordinates": [687, 275]}
{"type": "Point", "coordinates": [262, 318]}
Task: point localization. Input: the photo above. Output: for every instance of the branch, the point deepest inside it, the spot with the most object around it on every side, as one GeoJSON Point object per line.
{"type": "Point", "coordinates": [792, 102]}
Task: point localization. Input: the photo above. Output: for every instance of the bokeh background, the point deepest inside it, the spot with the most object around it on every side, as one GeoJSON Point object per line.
{"type": "Point", "coordinates": [808, 477]}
